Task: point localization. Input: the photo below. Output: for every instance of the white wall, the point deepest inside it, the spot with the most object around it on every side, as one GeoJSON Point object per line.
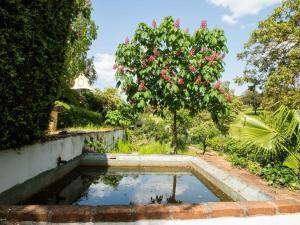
{"type": "Point", "coordinates": [18, 166]}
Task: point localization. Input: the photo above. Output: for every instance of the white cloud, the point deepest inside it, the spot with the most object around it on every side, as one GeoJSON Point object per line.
{"type": "Point", "coordinates": [229, 19]}
{"type": "Point", "coordinates": [104, 68]}
{"type": "Point", "coordinates": [243, 27]}
{"type": "Point", "coordinates": [241, 8]}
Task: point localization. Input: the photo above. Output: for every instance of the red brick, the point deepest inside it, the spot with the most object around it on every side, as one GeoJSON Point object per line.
{"type": "Point", "coordinates": [287, 206]}
{"type": "Point", "coordinates": [29, 213]}
{"type": "Point", "coordinates": [153, 211]}
{"type": "Point", "coordinates": [61, 214]}
{"type": "Point", "coordinates": [258, 208]}
{"type": "Point", "coordinates": [221, 209]}
{"type": "Point", "coordinates": [189, 211]}
{"type": "Point", "coordinates": [112, 213]}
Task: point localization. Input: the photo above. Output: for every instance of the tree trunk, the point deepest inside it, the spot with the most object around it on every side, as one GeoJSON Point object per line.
{"type": "Point", "coordinates": [174, 188]}
{"type": "Point", "coordinates": [175, 139]}
{"type": "Point", "coordinates": [204, 147]}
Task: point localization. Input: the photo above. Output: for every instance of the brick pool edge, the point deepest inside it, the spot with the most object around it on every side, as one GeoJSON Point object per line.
{"type": "Point", "coordinates": [60, 214]}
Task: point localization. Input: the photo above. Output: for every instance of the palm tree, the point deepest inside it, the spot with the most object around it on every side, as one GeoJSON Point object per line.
{"type": "Point", "coordinates": [274, 137]}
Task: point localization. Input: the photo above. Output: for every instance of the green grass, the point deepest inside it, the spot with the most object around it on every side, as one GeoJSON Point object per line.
{"type": "Point", "coordinates": [149, 148]}
{"type": "Point", "coordinates": [89, 127]}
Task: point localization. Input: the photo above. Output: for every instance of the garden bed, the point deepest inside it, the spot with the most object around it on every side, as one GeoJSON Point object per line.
{"type": "Point", "coordinates": [276, 192]}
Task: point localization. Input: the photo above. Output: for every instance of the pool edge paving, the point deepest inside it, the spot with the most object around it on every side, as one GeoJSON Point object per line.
{"type": "Point", "coordinates": [249, 200]}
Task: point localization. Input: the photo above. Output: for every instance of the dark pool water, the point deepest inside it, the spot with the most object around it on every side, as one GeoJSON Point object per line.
{"type": "Point", "coordinates": [102, 186]}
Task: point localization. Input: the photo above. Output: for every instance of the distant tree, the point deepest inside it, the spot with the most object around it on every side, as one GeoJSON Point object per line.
{"type": "Point", "coordinates": [90, 71]}
{"type": "Point", "coordinates": [84, 31]}
{"type": "Point", "coordinates": [166, 67]}
{"type": "Point", "coordinates": [102, 101]}
{"type": "Point", "coordinates": [252, 98]}
{"type": "Point", "coordinates": [272, 55]}
{"type": "Point", "coordinates": [124, 116]}
{"type": "Point", "coordinates": [203, 132]}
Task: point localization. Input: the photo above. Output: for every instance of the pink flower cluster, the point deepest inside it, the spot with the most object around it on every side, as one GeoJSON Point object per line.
{"type": "Point", "coordinates": [164, 75]}
{"type": "Point", "coordinates": [120, 68]}
{"type": "Point", "coordinates": [144, 62]}
{"type": "Point", "coordinates": [198, 80]}
{"type": "Point", "coordinates": [152, 58]}
{"type": "Point", "coordinates": [155, 52]}
{"type": "Point", "coordinates": [213, 57]}
{"type": "Point", "coordinates": [192, 69]}
{"type": "Point", "coordinates": [141, 85]}
{"type": "Point", "coordinates": [187, 30]}
{"type": "Point", "coordinates": [177, 23]}
{"type": "Point", "coordinates": [180, 81]}
{"type": "Point", "coordinates": [203, 24]}
{"type": "Point", "coordinates": [217, 85]}
{"type": "Point", "coordinates": [228, 97]}
{"type": "Point", "coordinates": [126, 42]}
{"type": "Point", "coordinates": [154, 24]}
{"type": "Point", "coordinates": [192, 52]}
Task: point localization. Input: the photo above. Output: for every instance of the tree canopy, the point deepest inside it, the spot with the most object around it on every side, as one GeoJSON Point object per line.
{"type": "Point", "coordinates": [272, 55]}
{"type": "Point", "coordinates": [167, 67]}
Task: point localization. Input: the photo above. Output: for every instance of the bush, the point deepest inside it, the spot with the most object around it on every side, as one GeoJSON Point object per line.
{"type": "Point", "coordinates": [278, 175]}
{"type": "Point", "coordinates": [124, 147]}
{"type": "Point", "coordinates": [237, 160]}
{"type": "Point", "coordinates": [33, 44]}
{"type": "Point", "coordinates": [76, 116]}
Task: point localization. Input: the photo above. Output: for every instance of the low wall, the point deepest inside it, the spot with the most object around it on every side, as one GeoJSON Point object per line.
{"type": "Point", "coordinates": [19, 166]}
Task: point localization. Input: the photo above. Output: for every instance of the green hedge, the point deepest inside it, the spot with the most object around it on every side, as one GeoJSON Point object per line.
{"type": "Point", "coordinates": [33, 42]}
{"type": "Point", "coordinates": [73, 116]}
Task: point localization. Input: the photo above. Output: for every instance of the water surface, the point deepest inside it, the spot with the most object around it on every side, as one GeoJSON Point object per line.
{"type": "Point", "coordinates": [124, 186]}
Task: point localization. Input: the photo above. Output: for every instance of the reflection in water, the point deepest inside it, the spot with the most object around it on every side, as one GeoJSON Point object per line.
{"type": "Point", "coordinates": [94, 186]}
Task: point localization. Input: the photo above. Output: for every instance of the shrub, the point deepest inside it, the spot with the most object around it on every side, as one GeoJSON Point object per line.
{"type": "Point", "coordinates": [124, 147]}
{"type": "Point", "coordinates": [277, 175]}
{"type": "Point", "coordinates": [76, 116]}
{"type": "Point", "coordinates": [237, 160]}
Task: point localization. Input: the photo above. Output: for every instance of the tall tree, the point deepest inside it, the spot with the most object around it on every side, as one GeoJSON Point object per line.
{"type": "Point", "coordinates": [272, 55]}
{"type": "Point", "coordinates": [84, 31]}
{"type": "Point", "coordinates": [166, 67]}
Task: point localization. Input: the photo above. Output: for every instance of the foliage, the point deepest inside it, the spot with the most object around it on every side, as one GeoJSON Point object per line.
{"type": "Point", "coordinates": [98, 146]}
{"type": "Point", "coordinates": [168, 68]}
{"type": "Point", "coordinates": [35, 36]}
{"type": "Point", "coordinates": [102, 101]}
{"type": "Point", "coordinates": [274, 137]}
{"type": "Point", "coordinates": [76, 116]}
{"type": "Point", "coordinates": [84, 31]}
{"type": "Point", "coordinates": [272, 56]}
{"type": "Point", "coordinates": [203, 132]}
{"type": "Point", "coordinates": [278, 175]}
{"type": "Point", "coordinates": [252, 98]}
{"type": "Point", "coordinates": [124, 116]}
{"type": "Point", "coordinates": [236, 160]}
{"type": "Point", "coordinates": [124, 147]}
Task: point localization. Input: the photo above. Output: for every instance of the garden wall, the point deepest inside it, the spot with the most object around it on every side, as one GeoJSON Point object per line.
{"type": "Point", "coordinates": [17, 167]}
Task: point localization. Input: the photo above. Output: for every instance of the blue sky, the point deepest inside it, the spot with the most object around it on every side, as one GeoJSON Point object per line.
{"type": "Point", "coordinates": [117, 19]}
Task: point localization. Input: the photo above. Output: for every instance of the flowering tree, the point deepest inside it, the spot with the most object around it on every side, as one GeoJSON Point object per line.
{"type": "Point", "coordinates": [166, 67]}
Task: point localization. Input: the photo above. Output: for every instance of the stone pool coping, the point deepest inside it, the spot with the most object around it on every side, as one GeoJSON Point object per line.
{"type": "Point", "coordinates": [232, 186]}
{"type": "Point", "coordinates": [61, 214]}
{"type": "Point", "coordinates": [250, 201]}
